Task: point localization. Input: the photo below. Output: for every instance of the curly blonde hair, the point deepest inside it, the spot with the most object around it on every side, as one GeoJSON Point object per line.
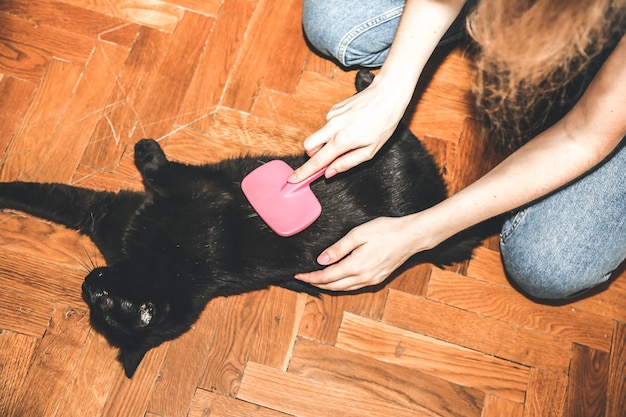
{"type": "Point", "coordinates": [534, 57]}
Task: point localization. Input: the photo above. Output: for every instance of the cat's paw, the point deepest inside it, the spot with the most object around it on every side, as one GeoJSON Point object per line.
{"type": "Point", "coordinates": [149, 156]}
{"type": "Point", "coordinates": [363, 79]}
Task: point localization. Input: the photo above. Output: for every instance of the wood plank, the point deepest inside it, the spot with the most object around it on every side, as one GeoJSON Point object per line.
{"type": "Point", "coordinates": [616, 390]}
{"type": "Point", "coordinates": [15, 96]}
{"type": "Point", "coordinates": [413, 281]}
{"type": "Point", "coordinates": [609, 304]}
{"type": "Point", "coordinates": [206, 7]}
{"type": "Point", "coordinates": [63, 16]}
{"type": "Point", "coordinates": [84, 109]}
{"type": "Point", "coordinates": [474, 331]}
{"type": "Point", "coordinates": [50, 242]}
{"type": "Point", "coordinates": [396, 385]}
{"type": "Point", "coordinates": [442, 100]}
{"type": "Point", "coordinates": [316, 63]}
{"type": "Point", "coordinates": [235, 331]}
{"type": "Point", "coordinates": [473, 145]}
{"type": "Point", "coordinates": [546, 394]}
{"type": "Point", "coordinates": [23, 61]}
{"type": "Point", "coordinates": [16, 351]}
{"type": "Point", "coordinates": [184, 365]}
{"type": "Point", "coordinates": [588, 378]}
{"type": "Point", "coordinates": [486, 265]}
{"type": "Point", "coordinates": [290, 53]}
{"type": "Point", "coordinates": [41, 279]}
{"type": "Point", "coordinates": [282, 391]}
{"type": "Point", "coordinates": [46, 381]}
{"type": "Point", "coordinates": [254, 56]}
{"type": "Point", "coordinates": [307, 108]}
{"type": "Point", "coordinates": [508, 305]}
{"type": "Point", "coordinates": [322, 316]}
{"type": "Point", "coordinates": [22, 313]}
{"type": "Point", "coordinates": [89, 386]}
{"type": "Point", "coordinates": [433, 357]}
{"type": "Point", "coordinates": [95, 179]}
{"type": "Point", "coordinates": [210, 404]}
{"type": "Point", "coordinates": [113, 132]}
{"type": "Point", "coordinates": [130, 397]}
{"type": "Point", "coordinates": [215, 64]}
{"type": "Point", "coordinates": [157, 113]}
{"type": "Point", "coordinates": [198, 148]}
{"type": "Point", "coordinates": [48, 40]}
{"type": "Point", "coordinates": [443, 153]}
{"type": "Point", "coordinates": [254, 135]}
{"type": "Point", "coordinates": [500, 407]}
{"type": "Point", "coordinates": [29, 143]}
{"type": "Point", "coordinates": [152, 13]}
{"type": "Point", "coordinates": [124, 35]}
{"type": "Point", "coordinates": [277, 328]}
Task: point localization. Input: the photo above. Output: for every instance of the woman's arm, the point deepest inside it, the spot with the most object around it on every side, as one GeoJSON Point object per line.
{"type": "Point", "coordinates": [358, 127]}
{"type": "Point", "coordinates": [574, 145]}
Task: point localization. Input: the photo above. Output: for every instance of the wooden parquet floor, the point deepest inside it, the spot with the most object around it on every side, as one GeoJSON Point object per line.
{"type": "Point", "coordinates": [82, 80]}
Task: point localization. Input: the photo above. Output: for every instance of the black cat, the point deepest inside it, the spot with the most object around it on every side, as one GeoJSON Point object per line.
{"type": "Point", "coordinates": [192, 236]}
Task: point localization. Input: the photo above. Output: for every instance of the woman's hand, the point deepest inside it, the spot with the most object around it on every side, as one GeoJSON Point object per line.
{"type": "Point", "coordinates": [366, 256]}
{"type": "Point", "coordinates": [355, 130]}
{"type": "Point", "coordinates": [359, 126]}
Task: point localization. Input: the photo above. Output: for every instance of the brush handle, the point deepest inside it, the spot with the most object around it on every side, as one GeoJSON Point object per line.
{"type": "Point", "coordinates": [290, 188]}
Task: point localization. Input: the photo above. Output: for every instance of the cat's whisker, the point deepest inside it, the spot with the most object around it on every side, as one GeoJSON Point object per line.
{"type": "Point", "coordinates": [90, 264]}
{"type": "Point", "coordinates": [84, 265]}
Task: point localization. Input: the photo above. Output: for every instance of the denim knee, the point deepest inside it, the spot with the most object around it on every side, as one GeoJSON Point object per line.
{"type": "Point", "coordinates": [573, 239]}
{"type": "Point", "coordinates": [355, 33]}
{"type": "Point", "coordinates": [542, 272]}
{"type": "Point", "coordinates": [360, 32]}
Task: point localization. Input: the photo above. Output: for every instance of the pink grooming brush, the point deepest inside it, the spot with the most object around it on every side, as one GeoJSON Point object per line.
{"type": "Point", "coordinates": [286, 208]}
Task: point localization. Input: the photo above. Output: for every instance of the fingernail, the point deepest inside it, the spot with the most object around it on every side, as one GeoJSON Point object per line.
{"type": "Point", "coordinates": [291, 178]}
{"type": "Point", "coordinates": [330, 172]}
{"type": "Point", "coordinates": [323, 259]}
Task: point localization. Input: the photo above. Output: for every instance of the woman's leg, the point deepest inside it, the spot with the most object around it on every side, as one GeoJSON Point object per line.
{"type": "Point", "coordinates": [360, 32]}
{"type": "Point", "coordinates": [572, 240]}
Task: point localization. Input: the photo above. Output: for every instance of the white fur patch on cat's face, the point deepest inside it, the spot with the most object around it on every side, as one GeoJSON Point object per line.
{"type": "Point", "coordinates": [146, 311]}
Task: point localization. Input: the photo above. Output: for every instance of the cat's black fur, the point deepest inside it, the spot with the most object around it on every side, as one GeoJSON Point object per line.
{"type": "Point", "coordinates": [192, 236]}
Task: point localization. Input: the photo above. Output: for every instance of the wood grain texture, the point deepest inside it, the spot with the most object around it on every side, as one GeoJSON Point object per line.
{"type": "Point", "coordinates": [16, 351]}
{"type": "Point", "coordinates": [508, 305]}
{"type": "Point", "coordinates": [587, 390]}
{"type": "Point", "coordinates": [474, 331]}
{"type": "Point", "coordinates": [281, 390]}
{"type": "Point", "coordinates": [49, 373]}
{"type": "Point", "coordinates": [496, 407]}
{"type": "Point", "coordinates": [616, 396]}
{"type": "Point", "coordinates": [394, 384]}
{"type": "Point", "coordinates": [82, 80]}
{"type": "Point", "coordinates": [546, 394]}
{"type": "Point", "coordinates": [434, 357]}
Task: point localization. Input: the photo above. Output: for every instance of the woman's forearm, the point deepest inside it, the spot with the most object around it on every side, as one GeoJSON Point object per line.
{"type": "Point", "coordinates": [421, 27]}
{"type": "Point", "coordinates": [545, 164]}
{"type": "Point", "coordinates": [564, 152]}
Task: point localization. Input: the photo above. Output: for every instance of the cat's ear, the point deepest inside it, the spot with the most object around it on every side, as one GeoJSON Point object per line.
{"type": "Point", "coordinates": [131, 360]}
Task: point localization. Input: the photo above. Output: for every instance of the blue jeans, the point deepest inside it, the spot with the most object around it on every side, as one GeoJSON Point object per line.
{"type": "Point", "coordinates": [558, 247]}
{"type": "Point", "coordinates": [359, 32]}
{"type": "Point", "coordinates": [573, 239]}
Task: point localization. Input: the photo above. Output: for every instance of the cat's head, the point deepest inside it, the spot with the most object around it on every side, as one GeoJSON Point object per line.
{"type": "Point", "coordinates": [132, 316]}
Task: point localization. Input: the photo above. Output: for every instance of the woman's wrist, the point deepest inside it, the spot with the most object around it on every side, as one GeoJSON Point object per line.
{"type": "Point", "coordinates": [423, 232]}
